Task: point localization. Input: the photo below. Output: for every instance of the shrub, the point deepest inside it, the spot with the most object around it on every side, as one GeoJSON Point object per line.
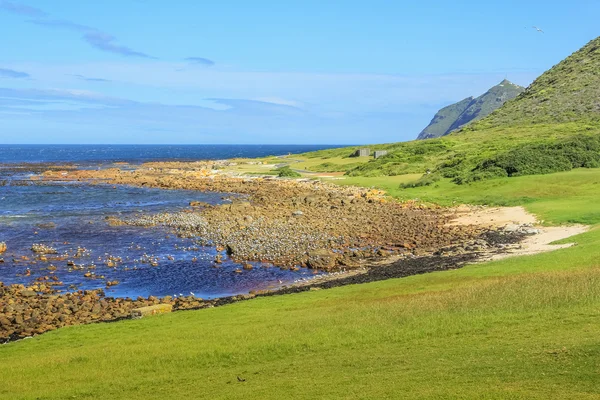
{"type": "Point", "coordinates": [287, 172]}
{"type": "Point", "coordinates": [536, 159]}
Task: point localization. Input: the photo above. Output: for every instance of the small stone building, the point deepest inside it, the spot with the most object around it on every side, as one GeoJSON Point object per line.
{"type": "Point", "coordinates": [379, 153]}
{"type": "Point", "coordinates": [364, 152]}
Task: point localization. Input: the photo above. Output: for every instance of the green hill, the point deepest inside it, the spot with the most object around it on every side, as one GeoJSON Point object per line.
{"type": "Point", "coordinates": [552, 126]}
{"type": "Point", "coordinates": [569, 91]}
{"type": "Point", "coordinates": [471, 109]}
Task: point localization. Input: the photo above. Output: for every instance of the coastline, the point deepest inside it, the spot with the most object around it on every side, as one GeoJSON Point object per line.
{"type": "Point", "coordinates": [466, 237]}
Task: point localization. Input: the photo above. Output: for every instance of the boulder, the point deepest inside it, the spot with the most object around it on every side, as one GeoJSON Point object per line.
{"type": "Point", "coordinates": [321, 259]}
{"type": "Point", "coordinates": [151, 310]}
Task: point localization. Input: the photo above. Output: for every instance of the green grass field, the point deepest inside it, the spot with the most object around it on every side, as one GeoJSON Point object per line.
{"type": "Point", "coordinates": [524, 327]}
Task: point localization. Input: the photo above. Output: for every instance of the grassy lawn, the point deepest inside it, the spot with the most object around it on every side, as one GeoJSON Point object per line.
{"type": "Point", "coordinates": [518, 328]}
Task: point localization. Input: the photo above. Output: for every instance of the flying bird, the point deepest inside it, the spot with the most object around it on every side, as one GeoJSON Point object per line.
{"type": "Point", "coordinates": [537, 29]}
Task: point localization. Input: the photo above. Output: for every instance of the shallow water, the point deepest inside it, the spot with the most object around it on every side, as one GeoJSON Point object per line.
{"type": "Point", "coordinates": [68, 216]}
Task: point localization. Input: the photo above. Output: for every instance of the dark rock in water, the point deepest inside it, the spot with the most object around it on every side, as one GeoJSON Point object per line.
{"type": "Point", "coordinates": [247, 266]}
{"type": "Point", "coordinates": [46, 225]}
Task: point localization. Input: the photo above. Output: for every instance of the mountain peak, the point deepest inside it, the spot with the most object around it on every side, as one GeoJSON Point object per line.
{"type": "Point", "coordinates": [470, 109]}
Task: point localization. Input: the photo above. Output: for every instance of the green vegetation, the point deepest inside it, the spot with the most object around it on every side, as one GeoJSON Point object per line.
{"type": "Point", "coordinates": [470, 109]}
{"type": "Point", "coordinates": [535, 159]}
{"type": "Point", "coordinates": [287, 172]}
{"type": "Point", "coordinates": [567, 92]}
{"type": "Point", "coordinates": [460, 154]}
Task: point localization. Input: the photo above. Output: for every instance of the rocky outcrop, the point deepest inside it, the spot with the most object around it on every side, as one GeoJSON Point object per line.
{"type": "Point", "coordinates": [285, 221]}
{"type": "Point", "coordinates": [33, 310]}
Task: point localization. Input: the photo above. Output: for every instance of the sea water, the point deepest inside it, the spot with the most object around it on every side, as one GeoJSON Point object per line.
{"type": "Point", "coordinates": [70, 216]}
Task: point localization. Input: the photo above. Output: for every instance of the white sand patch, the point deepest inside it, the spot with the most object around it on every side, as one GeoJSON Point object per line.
{"type": "Point", "coordinates": [493, 216]}
{"type": "Point", "coordinates": [518, 219]}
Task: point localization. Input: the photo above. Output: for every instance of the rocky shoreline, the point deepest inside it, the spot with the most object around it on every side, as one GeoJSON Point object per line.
{"type": "Point", "coordinates": [27, 311]}
{"type": "Point", "coordinates": [357, 234]}
{"type": "Point", "coordinates": [289, 223]}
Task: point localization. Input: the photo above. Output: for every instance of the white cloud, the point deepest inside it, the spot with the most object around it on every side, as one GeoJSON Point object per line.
{"type": "Point", "coordinates": [280, 101]}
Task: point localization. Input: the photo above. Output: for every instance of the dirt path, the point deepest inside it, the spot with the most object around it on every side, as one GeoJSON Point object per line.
{"type": "Point", "coordinates": [518, 219]}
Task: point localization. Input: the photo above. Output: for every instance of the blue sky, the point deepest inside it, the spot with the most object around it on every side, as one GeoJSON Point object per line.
{"type": "Point", "coordinates": [335, 72]}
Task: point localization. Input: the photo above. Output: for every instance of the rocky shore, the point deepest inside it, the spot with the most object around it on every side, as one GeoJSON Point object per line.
{"type": "Point", "coordinates": [289, 223]}
{"type": "Point", "coordinates": [32, 310]}
{"type": "Point", "coordinates": [27, 311]}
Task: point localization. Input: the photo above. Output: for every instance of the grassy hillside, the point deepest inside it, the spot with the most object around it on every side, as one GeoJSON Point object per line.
{"type": "Point", "coordinates": [569, 91]}
{"type": "Point", "coordinates": [462, 152]}
{"type": "Point", "coordinates": [552, 126]}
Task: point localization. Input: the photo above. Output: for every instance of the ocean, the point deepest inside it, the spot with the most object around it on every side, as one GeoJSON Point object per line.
{"type": "Point", "coordinates": [71, 218]}
{"type": "Point", "coordinates": [94, 154]}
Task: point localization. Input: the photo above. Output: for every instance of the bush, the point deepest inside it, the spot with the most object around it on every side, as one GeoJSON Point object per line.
{"type": "Point", "coordinates": [536, 159]}
{"type": "Point", "coordinates": [287, 172]}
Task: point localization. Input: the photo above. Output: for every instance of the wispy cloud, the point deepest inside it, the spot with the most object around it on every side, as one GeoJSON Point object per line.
{"type": "Point", "coordinates": [11, 73]}
{"type": "Point", "coordinates": [280, 101]}
{"type": "Point", "coordinates": [93, 36]}
{"type": "Point", "coordinates": [201, 61]}
{"type": "Point", "coordinates": [257, 108]}
{"type": "Point", "coordinates": [105, 42]}
{"type": "Point", "coordinates": [80, 96]}
{"type": "Point", "coordinates": [88, 79]}
{"type": "Point", "coordinates": [21, 9]}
